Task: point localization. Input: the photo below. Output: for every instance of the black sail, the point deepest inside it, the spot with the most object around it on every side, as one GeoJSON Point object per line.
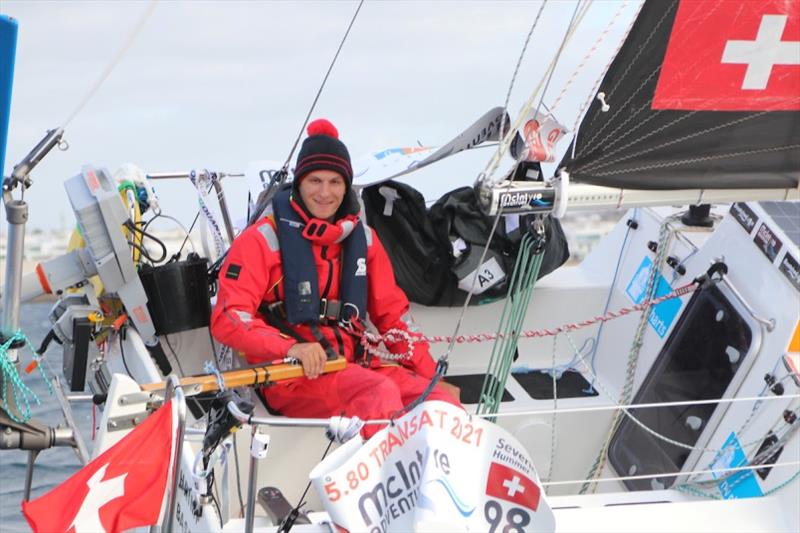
{"type": "Point", "coordinates": [639, 146]}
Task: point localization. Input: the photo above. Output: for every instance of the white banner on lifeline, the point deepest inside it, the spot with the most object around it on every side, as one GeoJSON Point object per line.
{"type": "Point", "coordinates": [436, 469]}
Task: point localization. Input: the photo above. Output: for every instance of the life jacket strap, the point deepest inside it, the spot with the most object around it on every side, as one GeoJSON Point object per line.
{"type": "Point", "coordinates": [275, 314]}
{"type": "Point", "coordinates": [330, 311]}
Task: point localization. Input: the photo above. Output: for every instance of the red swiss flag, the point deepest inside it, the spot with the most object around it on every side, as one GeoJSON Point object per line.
{"type": "Point", "coordinates": [729, 55]}
{"type": "Point", "coordinates": [513, 486]}
{"type": "Point", "coordinates": [121, 489]}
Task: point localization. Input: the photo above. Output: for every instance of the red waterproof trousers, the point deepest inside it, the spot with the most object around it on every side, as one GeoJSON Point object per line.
{"type": "Point", "coordinates": [368, 393]}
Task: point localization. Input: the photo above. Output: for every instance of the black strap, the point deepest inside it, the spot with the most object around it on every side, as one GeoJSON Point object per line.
{"type": "Point", "coordinates": [329, 351]}
{"type": "Point", "coordinates": [277, 318]}
{"type": "Point", "coordinates": [330, 311]}
{"type": "Point", "coordinates": [271, 314]}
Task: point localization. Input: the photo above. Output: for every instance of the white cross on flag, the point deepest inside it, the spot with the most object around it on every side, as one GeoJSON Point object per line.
{"type": "Point", "coordinates": [123, 488]}
{"type": "Point", "coordinates": [729, 55]}
{"type": "Point", "coordinates": [511, 485]}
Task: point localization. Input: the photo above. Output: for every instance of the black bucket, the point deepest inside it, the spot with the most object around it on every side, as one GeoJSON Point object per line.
{"type": "Point", "coordinates": [177, 294]}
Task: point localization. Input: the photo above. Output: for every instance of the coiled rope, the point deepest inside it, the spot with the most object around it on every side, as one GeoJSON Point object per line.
{"type": "Point", "coordinates": [520, 294]}
{"type": "Point", "coordinates": [21, 393]}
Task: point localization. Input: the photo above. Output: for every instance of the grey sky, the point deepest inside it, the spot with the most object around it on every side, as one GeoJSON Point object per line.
{"type": "Point", "coordinates": [218, 84]}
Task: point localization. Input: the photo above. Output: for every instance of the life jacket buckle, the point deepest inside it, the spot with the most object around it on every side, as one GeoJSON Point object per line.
{"type": "Point", "coordinates": [329, 310]}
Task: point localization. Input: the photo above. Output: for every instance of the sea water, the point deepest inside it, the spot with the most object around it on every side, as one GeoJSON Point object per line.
{"type": "Point", "coordinates": [55, 465]}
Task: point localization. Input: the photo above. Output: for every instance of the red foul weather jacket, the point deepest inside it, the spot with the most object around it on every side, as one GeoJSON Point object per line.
{"type": "Point", "coordinates": [253, 275]}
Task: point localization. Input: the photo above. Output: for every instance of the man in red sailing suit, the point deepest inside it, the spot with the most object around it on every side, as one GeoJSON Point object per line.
{"type": "Point", "coordinates": [293, 280]}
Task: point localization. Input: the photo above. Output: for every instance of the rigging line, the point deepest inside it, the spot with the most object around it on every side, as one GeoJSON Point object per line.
{"type": "Point", "coordinates": [505, 142]}
{"type": "Point", "coordinates": [632, 62]}
{"type": "Point", "coordinates": [622, 250]}
{"type": "Point", "coordinates": [761, 459]}
{"type": "Point", "coordinates": [612, 139]}
{"type": "Point", "coordinates": [504, 145]}
{"type": "Point", "coordinates": [665, 237]}
{"type": "Point", "coordinates": [516, 71]}
{"type": "Point", "coordinates": [590, 144]}
{"type": "Point", "coordinates": [667, 164]}
{"type": "Point", "coordinates": [553, 430]}
{"type": "Point", "coordinates": [599, 465]}
{"type": "Point", "coordinates": [114, 62]}
{"type": "Point", "coordinates": [191, 227]}
{"type": "Point", "coordinates": [699, 13]}
{"type": "Point", "coordinates": [654, 405]}
{"type": "Point", "coordinates": [669, 474]}
{"type": "Point", "coordinates": [589, 54]}
{"type": "Point", "coordinates": [591, 167]}
{"type": "Point", "coordinates": [321, 87]}
{"type": "Point", "coordinates": [602, 75]}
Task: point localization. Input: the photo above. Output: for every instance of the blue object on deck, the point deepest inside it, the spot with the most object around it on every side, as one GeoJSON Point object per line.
{"type": "Point", "coordinates": [8, 50]}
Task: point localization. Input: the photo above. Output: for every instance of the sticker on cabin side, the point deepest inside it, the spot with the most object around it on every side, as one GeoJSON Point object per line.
{"type": "Point", "coordinates": [663, 314]}
{"type": "Point", "coordinates": [745, 216]}
{"type": "Point", "coordinates": [767, 242]}
{"type": "Point", "coordinates": [739, 483]}
{"type": "Point", "coordinates": [790, 268]}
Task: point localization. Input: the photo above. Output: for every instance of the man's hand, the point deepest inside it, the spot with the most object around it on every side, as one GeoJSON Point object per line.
{"type": "Point", "coordinates": [312, 357]}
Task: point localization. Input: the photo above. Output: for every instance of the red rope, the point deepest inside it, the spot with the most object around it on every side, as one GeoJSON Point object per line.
{"type": "Point", "coordinates": [391, 335]}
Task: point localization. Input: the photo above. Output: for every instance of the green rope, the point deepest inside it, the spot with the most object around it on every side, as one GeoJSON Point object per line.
{"type": "Point", "coordinates": [520, 292]}
{"type": "Point", "coordinates": [11, 379]}
{"type": "Point", "coordinates": [665, 236]}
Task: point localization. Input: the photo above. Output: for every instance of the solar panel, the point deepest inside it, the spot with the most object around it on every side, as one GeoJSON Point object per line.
{"type": "Point", "coordinates": [785, 215]}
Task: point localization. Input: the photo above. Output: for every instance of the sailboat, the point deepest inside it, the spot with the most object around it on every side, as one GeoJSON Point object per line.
{"type": "Point", "coordinates": [654, 386]}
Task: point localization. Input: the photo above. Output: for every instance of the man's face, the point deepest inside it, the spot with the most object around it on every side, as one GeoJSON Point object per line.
{"type": "Point", "coordinates": [322, 192]}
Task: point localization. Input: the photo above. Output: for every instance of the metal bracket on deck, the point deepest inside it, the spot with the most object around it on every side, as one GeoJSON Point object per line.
{"type": "Point", "coordinates": [126, 421]}
{"type": "Point", "coordinates": [134, 398]}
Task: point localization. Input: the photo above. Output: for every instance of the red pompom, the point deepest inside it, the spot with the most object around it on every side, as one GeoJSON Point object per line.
{"type": "Point", "coordinates": [322, 126]}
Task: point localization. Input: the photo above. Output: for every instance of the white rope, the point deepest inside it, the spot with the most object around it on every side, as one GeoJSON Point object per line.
{"type": "Point", "coordinates": [618, 108]}
{"type": "Point", "coordinates": [535, 23]}
{"type": "Point", "coordinates": [589, 54]}
{"type": "Point", "coordinates": [114, 62]}
{"type": "Point", "coordinates": [688, 403]}
{"type": "Point", "coordinates": [341, 428]}
{"type": "Point", "coordinates": [668, 164]}
{"type": "Point", "coordinates": [599, 80]}
{"type": "Point", "coordinates": [619, 79]}
{"type": "Point", "coordinates": [670, 474]}
{"type": "Point", "coordinates": [502, 148]}
{"type": "Point", "coordinates": [553, 432]}
{"type": "Point", "coordinates": [725, 125]}
{"type": "Point", "coordinates": [505, 143]}
{"type": "Point", "coordinates": [616, 137]}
